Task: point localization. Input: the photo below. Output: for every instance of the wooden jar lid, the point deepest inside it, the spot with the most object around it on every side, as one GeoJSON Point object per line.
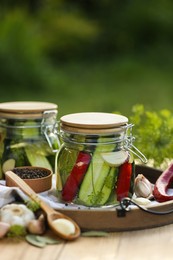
{"type": "Point", "coordinates": [93, 122]}
{"type": "Point", "coordinates": [25, 109]}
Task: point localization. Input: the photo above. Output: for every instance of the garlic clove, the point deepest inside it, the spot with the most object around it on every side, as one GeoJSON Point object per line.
{"type": "Point", "coordinates": [141, 201]}
{"type": "Point", "coordinates": [64, 226]}
{"type": "Point", "coordinates": [37, 226]}
{"type": "Point", "coordinates": [4, 227]}
{"type": "Point", "coordinates": [142, 187]}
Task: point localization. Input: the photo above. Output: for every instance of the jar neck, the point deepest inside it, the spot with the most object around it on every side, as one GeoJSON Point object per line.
{"type": "Point", "coordinates": [16, 128]}
{"type": "Point", "coordinates": [33, 128]}
{"type": "Point", "coordinates": [104, 142]}
{"type": "Point", "coordinates": [110, 142]}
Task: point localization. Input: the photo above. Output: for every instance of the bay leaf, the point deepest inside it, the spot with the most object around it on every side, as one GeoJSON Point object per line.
{"type": "Point", "coordinates": [48, 240]}
{"type": "Point", "coordinates": [95, 234]}
{"type": "Point", "coordinates": [31, 239]}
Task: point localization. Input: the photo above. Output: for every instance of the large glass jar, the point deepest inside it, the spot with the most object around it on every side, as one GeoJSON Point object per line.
{"type": "Point", "coordinates": [28, 135]}
{"type": "Point", "coordinates": [95, 163]}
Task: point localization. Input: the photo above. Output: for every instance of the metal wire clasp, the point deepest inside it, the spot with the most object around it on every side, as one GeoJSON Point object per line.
{"type": "Point", "coordinates": [129, 144]}
{"type": "Point", "coordinates": [49, 127]}
{"type": "Point", "coordinates": [126, 202]}
{"type": "Point", "coordinates": [138, 153]}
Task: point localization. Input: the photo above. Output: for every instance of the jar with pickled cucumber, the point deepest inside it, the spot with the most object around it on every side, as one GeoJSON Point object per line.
{"type": "Point", "coordinates": [96, 166]}
{"type": "Point", "coordinates": [28, 135]}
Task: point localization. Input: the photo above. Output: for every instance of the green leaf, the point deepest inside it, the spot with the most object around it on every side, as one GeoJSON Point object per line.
{"type": "Point", "coordinates": [95, 234]}
{"type": "Point", "coordinates": [41, 241]}
{"type": "Point", "coordinates": [48, 240]}
{"type": "Point", "coordinates": [31, 239]}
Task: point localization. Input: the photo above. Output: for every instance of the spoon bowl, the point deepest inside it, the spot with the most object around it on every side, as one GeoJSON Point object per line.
{"type": "Point", "coordinates": [72, 229]}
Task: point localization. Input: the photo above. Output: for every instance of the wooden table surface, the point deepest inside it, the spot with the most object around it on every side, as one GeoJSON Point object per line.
{"type": "Point", "coordinates": [154, 243]}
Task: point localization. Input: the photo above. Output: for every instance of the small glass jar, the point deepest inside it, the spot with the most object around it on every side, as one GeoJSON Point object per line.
{"type": "Point", "coordinates": [28, 135]}
{"type": "Point", "coordinates": [95, 163]}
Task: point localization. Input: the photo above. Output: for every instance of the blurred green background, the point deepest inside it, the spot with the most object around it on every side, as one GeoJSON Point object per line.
{"type": "Point", "coordinates": [89, 55]}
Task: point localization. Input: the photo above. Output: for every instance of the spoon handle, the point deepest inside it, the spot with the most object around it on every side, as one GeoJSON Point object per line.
{"type": "Point", "coordinates": [28, 191]}
{"type": "Point", "coordinates": [51, 213]}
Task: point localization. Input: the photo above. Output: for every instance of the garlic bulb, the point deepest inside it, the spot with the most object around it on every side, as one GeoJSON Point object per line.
{"type": "Point", "coordinates": [16, 214]}
{"type": "Point", "coordinates": [142, 186]}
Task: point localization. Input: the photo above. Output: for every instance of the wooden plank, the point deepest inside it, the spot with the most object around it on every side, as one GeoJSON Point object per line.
{"type": "Point", "coordinates": [12, 250]}
{"type": "Point", "coordinates": [152, 244]}
{"type": "Point", "coordinates": [21, 250]}
{"type": "Point", "coordinates": [92, 248]}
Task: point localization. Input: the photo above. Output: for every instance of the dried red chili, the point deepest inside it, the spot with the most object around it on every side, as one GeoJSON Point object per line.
{"type": "Point", "coordinates": [76, 176]}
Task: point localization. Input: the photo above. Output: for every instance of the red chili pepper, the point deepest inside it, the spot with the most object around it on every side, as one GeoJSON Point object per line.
{"type": "Point", "coordinates": [124, 179]}
{"type": "Point", "coordinates": [76, 176]}
{"type": "Point", "coordinates": [162, 184]}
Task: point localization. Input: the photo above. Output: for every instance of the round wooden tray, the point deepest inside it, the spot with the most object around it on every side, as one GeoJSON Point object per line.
{"type": "Point", "coordinates": [111, 219]}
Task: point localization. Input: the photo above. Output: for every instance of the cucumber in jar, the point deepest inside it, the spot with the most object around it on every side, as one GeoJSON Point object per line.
{"type": "Point", "coordinates": [23, 145]}
{"type": "Point", "coordinates": [98, 171]}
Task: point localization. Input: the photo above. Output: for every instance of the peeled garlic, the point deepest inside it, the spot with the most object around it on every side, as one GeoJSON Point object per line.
{"type": "Point", "coordinates": [142, 186]}
{"type": "Point", "coordinates": [64, 226]}
{"type": "Point", "coordinates": [16, 214]}
{"type": "Point", "coordinates": [37, 226]}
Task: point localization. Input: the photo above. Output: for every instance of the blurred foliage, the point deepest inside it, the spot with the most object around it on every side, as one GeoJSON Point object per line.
{"type": "Point", "coordinates": [61, 46]}
{"type": "Point", "coordinates": [33, 36]}
{"type": "Point", "coordinates": [66, 35]}
{"type": "Point", "coordinates": [86, 29]}
{"type": "Point", "coordinates": [21, 58]}
{"type": "Point", "coordinates": [153, 133]}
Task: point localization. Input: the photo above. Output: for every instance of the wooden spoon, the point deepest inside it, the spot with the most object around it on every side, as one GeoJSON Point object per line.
{"type": "Point", "coordinates": [50, 212]}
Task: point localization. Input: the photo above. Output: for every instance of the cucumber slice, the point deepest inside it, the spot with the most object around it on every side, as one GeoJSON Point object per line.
{"type": "Point", "coordinates": [93, 180]}
{"type": "Point", "coordinates": [37, 159]}
{"type": "Point", "coordinates": [8, 165]}
{"type": "Point", "coordinates": [108, 186]}
{"type": "Point", "coordinates": [95, 176]}
{"type": "Point", "coordinates": [115, 159]}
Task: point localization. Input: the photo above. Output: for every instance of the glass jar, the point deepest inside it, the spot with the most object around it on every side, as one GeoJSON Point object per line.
{"type": "Point", "coordinates": [95, 163]}
{"type": "Point", "coordinates": [28, 135]}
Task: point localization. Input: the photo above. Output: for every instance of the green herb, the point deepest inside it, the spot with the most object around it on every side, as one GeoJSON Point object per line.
{"type": "Point", "coordinates": [108, 187]}
{"type": "Point", "coordinates": [153, 132]}
{"type": "Point", "coordinates": [16, 231]}
{"type": "Point", "coordinates": [65, 165]}
{"type": "Point", "coordinates": [32, 205]}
